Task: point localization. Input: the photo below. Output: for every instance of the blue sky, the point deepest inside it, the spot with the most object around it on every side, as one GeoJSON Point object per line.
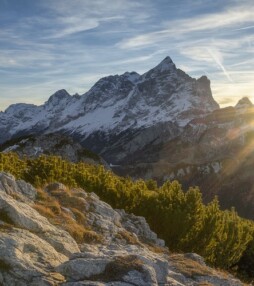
{"type": "Point", "coordinates": [47, 45]}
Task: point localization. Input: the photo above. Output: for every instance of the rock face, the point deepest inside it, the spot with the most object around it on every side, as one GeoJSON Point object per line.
{"type": "Point", "coordinates": [30, 245]}
{"type": "Point", "coordinates": [10, 186]}
{"type": "Point", "coordinates": [36, 252]}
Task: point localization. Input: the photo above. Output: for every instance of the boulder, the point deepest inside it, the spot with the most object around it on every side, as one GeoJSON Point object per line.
{"type": "Point", "coordinates": [139, 226]}
{"type": "Point", "coordinates": [83, 268]}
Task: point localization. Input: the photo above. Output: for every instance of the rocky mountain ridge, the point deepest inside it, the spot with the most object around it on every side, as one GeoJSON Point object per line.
{"type": "Point", "coordinates": [115, 104]}
{"type": "Point", "coordinates": [119, 249]}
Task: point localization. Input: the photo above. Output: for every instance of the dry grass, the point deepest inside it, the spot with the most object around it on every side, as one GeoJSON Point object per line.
{"type": "Point", "coordinates": [44, 210]}
{"type": "Point", "coordinates": [188, 267]}
{"type": "Point", "coordinates": [17, 196]}
{"type": "Point", "coordinates": [50, 205]}
{"type": "Point", "coordinates": [118, 268]}
{"type": "Point", "coordinates": [157, 249]}
{"type": "Point", "coordinates": [4, 266]}
{"type": "Point", "coordinates": [80, 217]}
{"type": "Point", "coordinates": [5, 217]}
{"type": "Point", "coordinates": [42, 195]}
{"type": "Point", "coordinates": [68, 199]}
{"type": "Point", "coordinates": [91, 236]}
{"type": "Point", "coordinates": [76, 230]}
{"type": "Point", "coordinates": [5, 227]}
{"type": "Point", "coordinates": [128, 237]}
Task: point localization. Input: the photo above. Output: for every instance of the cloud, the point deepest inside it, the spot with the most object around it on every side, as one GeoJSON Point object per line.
{"type": "Point", "coordinates": [245, 28]}
{"type": "Point", "coordinates": [76, 42]}
{"type": "Point", "coordinates": [219, 63]}
{"type": "Point", "coordinates": [70, 17]}
{"type": "Point", "coordinates": [226, 101]}
{"type": "Point", "coordinates": [206, 24]}
{"type": "Point", "coordinates": [241, 87]}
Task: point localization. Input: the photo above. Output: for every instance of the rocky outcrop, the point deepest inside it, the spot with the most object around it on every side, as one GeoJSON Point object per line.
{"type": "Point", "coordinates": [36, 252]}
{"type": "Point", "coordinates": [30, 245]}
{"type": "Point", "coordinates": [12, 187]}
{"type": "Point", "coordinates": [26, 259]}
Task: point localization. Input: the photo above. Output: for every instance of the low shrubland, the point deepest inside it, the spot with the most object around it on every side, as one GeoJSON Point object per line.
{"type": "Point", "coordinates": [179, 217]}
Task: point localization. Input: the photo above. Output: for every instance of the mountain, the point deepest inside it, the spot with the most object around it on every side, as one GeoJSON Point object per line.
{"type": "Point", "coordinates": [86, 242]}
{"type": "Point", "coordinates": [117, 109]}
{"type": "Point", "coordinates": [215, 152]}
{"type": "Point", "coordinates": [163, 125]}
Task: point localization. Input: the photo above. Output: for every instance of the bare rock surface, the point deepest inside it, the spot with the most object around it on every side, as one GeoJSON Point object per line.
{"type": "Point", "coordinates": [24, 216]}
{"type": "Point", "coordinates": [10, 186]}
{"type": "Point", "coordinates": [36, 252]}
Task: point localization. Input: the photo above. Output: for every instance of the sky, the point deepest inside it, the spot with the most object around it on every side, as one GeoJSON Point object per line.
{"type": "Point", "coordinates": [47, 45]}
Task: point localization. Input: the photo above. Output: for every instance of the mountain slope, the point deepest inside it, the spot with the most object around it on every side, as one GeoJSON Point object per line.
{"type": "Point", "coordinates": [117, 109]}
{"type": "Point", "coordinates": [215, 152]}
{"type": "Point", "coordinates": [117, 249]}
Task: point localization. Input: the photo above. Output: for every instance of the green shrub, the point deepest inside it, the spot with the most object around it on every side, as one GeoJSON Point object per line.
{"type": "Point", "coordinates": [179, 217]}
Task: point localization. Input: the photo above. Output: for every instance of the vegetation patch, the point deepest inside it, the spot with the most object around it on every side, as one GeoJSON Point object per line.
{"type": "Point", "coordinates": [189, 267]}
{"type": "Point", "coordinates": [129, 237]}
{"type": "Point", "coordinates": [63, 208]}
{"type": "Point", "coordinates": [5, 227]}
{"type": "Point", "coordinates": [4, 216]}
{"type": "Point", "coordinates": [90, 236]}
{"type": "Point", "coordinates": [177, 216]}
{"type": "Point", "coordinates": [4, 266]}
{"type": "Point", "coordinates": [118, 268]}
{"type": "Point", "coordinates": [156, 249]}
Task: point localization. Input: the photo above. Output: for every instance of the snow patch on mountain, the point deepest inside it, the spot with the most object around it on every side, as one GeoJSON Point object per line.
{"type": "Point", "coordinates": [116, 103]}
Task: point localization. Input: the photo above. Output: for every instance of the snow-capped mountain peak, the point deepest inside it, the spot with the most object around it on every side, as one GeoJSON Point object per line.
{"type": "Point", "coordinates": [132, 76]}
{"type": "Point", "coordinates": [165, 65]}
{"type": "Point", "coordinates": [17, 107]}
{"type": "Point", "coordinates": [57, 97]}
{"type": "Point", "coordinates": [115, 104]}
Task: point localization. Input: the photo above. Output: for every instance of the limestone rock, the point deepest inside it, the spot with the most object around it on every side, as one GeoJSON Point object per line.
{"type": "Point", "coordinates": [24, 216]}
{"type": "Point", "coordinates": [139, 226]}
{"type": "Point", "coordinates": [83, 268]}
{"type": "Point", "coordinates": [26, 258]}
{"type": "Point", "coordinates": [10, 186]}
{"type": "Point", "coordinates": [35, 252]}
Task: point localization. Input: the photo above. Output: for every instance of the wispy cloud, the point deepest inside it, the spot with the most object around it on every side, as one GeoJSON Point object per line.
{"type": "Point", "coordinates": [208, 23]}
{"type": "Point", "coordinates": [245, 28]}
{"type": "Point", "coordinates": [51, 44]}
{"type": "Point", "coordinates": [219, 63]}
